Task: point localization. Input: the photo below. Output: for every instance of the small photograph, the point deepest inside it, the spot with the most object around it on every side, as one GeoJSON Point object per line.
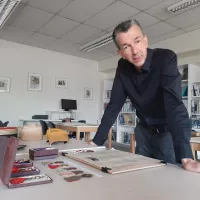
{"type": "Point", "coordinates": [35, 82]}
{"type": "Point", "coordinates": [4, 84]}
{"type": "Point", "coordinates": [88, 93]}
{"type": "Point", "coordinates": [61, 83]}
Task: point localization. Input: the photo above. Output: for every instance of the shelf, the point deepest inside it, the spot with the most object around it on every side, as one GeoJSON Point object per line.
{"type": "Point", "coordinates": [195, 97]}
{"type": "Point", "coordinates": [127, 112]}
{"type": "Point", "coordinates": [126, 125]}
{"type": "Point", "coordinates": [184, 97]}
{"type": "Point", "coordinates": [186, 80]}
{"type": "Point", "coordinates": [198, 82]}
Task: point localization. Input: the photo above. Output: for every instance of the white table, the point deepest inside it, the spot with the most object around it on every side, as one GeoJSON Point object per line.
{"type": "Point", "coordinates": [162, 183]}
{"type": "Point", "coordinates": [60, 146]}
{"type": "Point", "coordinates": [26, 121]}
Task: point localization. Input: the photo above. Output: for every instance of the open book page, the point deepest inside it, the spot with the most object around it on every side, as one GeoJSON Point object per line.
{"type": "Point", "coordinates": [113, 159]}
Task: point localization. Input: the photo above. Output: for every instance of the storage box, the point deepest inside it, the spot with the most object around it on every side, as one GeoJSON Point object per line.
{"type": "Point", "coordinates": [43, 157]}
{"type": "Point", "coordinates": [23, 163]}
{"type": "Point", "coordinates": [30, 180]}
{"type": "Point", "coordinates": [7, 160]}
{"type": "Point", "coordinates": [46, 151]}
{"type": "Point", "coordinates": [27, 171]}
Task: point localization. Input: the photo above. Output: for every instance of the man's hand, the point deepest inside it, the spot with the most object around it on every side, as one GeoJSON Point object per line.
{"type": "Point", "coordinates": [90, 142]}
{"type": "Point", "coordinates": [190, 165]}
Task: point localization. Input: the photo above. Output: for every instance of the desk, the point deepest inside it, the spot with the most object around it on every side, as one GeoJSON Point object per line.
{"type": "Point", "coordinates": [162, 183]}
{"type": "Point", "coordinates": [26, 121]}
{"type": "Point", "coordinates": [86, 128]}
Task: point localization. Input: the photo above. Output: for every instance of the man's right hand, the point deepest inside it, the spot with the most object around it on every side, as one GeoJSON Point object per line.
{"type": "Point", "coordinates": [90, 142]}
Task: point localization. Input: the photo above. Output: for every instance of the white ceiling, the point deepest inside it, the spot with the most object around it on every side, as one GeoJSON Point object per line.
{"type": "Point", "coordinates": [64, 25]}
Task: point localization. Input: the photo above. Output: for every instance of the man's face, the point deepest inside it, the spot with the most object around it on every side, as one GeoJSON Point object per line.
{"type": "Point", "coordinates": [133, 46]}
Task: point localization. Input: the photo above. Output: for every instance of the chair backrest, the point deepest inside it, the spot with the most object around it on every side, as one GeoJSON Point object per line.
{"type": "Point", "coordinates": [6, 123]}
{"type": "Point", "coordinates": [51, 125]}
{"type": "Point", "coordinates": [44, 127]}
{"type": "Point", "coordinates": [82, 121]}
{"type": "Point", "coordinates": [1, 124]}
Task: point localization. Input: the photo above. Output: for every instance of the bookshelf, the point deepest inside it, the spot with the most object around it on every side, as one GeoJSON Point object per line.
{"type": "Point", "coordinates": [191, 92]}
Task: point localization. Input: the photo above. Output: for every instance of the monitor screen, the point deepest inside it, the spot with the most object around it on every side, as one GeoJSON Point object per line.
{"type": "Point", "coordinates": [68, 104]}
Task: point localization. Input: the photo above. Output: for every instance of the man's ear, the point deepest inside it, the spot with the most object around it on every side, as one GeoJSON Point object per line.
{"type": "Point", "coordinates": [120, 53]}
{"type": "Point", "coordinates": [146, 41]}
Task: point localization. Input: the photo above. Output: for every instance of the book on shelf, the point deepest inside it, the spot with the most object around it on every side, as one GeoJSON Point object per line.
{"type": "Point", "coordinates": [128, 107]}
{"type": "Point", "coordinates": [126, 119]}
{"type": "Point", "coordinates": [195, 121]}
{"type": "Point", "coordinates": [195, 91]}
{"type": "Point", "coordinates": [126, 138]}
{"type": "Point", "coordinates": [184, 90]}
{"type": "Point", "coordinates": [185, 74]}
{"type": "Point", "coordinates": [195, 106]}
{"type": "Point", "coordinates": [114, 135]}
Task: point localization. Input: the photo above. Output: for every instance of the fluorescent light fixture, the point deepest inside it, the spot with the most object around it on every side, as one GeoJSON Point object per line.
{"type": "Point", "coordinates": [183, 5]}
{"type": "Point", "coordinates": [6, 9]}
{"type": "Point", "coordinates": [99, 42]}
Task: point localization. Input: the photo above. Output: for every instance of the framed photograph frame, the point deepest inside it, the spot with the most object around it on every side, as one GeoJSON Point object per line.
{"type": "Point", "coordinates": [5, 84]}
{"type": "Point", "coordinates": [34, 82]}
{"type": "Point", "coordinates": [88, 93]}
{"type": "Point", "coordinates": [61, 83]}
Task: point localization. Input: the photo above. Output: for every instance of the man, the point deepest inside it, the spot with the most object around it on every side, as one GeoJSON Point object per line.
{"type": "Point", "coordinates": [150, 78]}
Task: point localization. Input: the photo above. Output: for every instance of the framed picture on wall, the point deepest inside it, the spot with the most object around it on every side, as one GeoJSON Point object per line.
{"type": "Point", "coordinates": [61, 83]}
{"type": "Point", "coordinates": [4, 84]}
{"type": "Point", "coordinates": [88, 93]}
{"type": "Point", "coordinates": [34, 82]}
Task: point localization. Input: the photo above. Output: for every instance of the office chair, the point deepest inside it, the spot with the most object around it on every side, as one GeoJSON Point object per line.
{"type": "Point", "coordinates": [44, 127]}
{"type": "Point", "coordinates": [6, 123]}
{"type": "Point", "coordinates": [51, 125]}
{"type": "Point", "coordinates": [1, 124]}
{"type": "Point", "coordinates": [73, 135]}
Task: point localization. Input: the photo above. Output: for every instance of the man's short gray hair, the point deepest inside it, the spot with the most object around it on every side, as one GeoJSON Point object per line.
{"type": "Point", "coordinates": [124, 27]}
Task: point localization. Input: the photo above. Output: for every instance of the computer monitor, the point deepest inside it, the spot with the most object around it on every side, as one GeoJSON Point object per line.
{"type": "Point", "coordinates": [68, 104]}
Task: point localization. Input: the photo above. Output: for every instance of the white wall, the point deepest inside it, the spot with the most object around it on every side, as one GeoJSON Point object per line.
{"type": "Point", "coordinates": [17, 60]}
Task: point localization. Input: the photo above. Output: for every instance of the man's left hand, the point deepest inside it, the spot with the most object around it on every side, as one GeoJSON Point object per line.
{"type": "Point", "coordinates": [191, 165]}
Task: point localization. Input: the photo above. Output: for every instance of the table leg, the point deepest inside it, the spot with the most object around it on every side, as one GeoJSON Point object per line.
{"type": "Point", "coordinates": [193, 151]}
{"type": "Point", "coordinates": [87, 136]}
{"type": "Point", "coordinates": [132, 143]}
{"type": "Point", "coordinates": [77, 133]}
{"type": "Point", "coordinates": [110, 139]}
